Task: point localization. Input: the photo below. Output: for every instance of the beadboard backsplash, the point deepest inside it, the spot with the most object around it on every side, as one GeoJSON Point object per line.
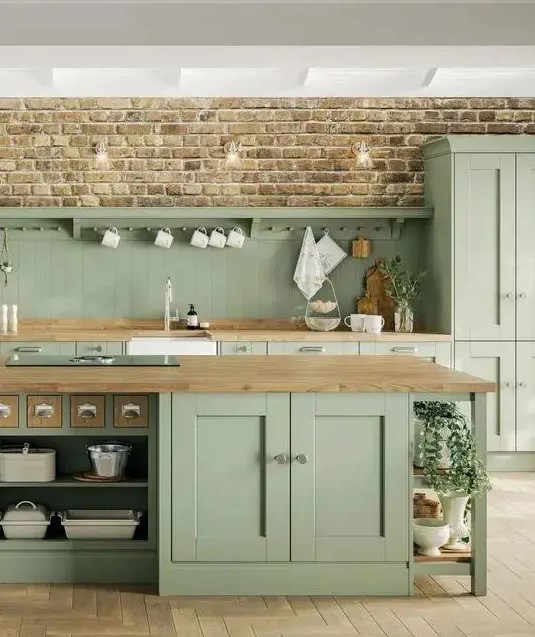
{"type": "Point", "coordinates": [64, 278]}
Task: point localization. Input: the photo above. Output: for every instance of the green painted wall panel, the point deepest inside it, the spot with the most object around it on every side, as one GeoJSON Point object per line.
{"type": "Point", "coordinates": [60, 277]}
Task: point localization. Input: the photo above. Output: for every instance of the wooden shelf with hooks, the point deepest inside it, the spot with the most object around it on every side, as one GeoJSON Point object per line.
{"type": "Point", "coordinates": [284, 222]}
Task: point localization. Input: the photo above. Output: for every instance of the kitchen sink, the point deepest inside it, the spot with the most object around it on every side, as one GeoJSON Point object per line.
{"type": "Point", "coordinates": [162, 345]}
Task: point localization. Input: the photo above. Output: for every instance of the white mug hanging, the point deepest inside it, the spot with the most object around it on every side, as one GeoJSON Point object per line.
{"type": "Point", "coordinates": [235, 238]}
{"type": "Point", "coordinates": [217, 238]}
{"type": "Point", "coordinates": [111, 238]}
{"type": "Point", "coordinates": [199, 238]}
{"type": "Point", "coordinates": [164, 238]}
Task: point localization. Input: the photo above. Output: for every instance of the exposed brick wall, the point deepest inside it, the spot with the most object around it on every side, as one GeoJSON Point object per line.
{"type": "Point", "coordinates": [168, 152]}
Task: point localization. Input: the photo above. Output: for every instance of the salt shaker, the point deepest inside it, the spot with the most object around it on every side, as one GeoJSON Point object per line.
{"type": "Point", "coordinates": [4, 319]}
{"type": "Point", "coordinates": [14, 319]}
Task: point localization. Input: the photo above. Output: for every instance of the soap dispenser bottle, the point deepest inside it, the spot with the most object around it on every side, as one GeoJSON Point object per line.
{"type": "Point", "coordinates": [192, 318]}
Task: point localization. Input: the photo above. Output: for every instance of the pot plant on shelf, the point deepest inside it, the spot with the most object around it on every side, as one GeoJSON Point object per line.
{"type": "Point", "coordinates": [403, 288]}
{"type": "Point", "coordinates": [445, 426]}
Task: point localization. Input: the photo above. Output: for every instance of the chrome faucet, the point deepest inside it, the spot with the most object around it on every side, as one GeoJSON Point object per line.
{"type": "Point", "coordinates": [167, 307]}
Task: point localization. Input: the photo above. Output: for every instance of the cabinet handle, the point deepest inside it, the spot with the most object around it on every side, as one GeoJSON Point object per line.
{"type": "Point", "coordinates": [522, 384]}
{"type": "Point", "coordinates": [508, 385]}
{"type": "Point", "coordinates": [87, 411]}
{"type": "Point", "coordinates": [5, 410]}
{"type": "Point", "coordinates": [405, 350]}
{"type": "Point", "coordinates": [28, 350]}
{"type": "Point", "coordinates": [281, 458]}
{"type": "Point", "coordinates": [130, 411]}
{"type": "Point", "coordinates": [301, 458]}
{"type": "Point", "coordinates": [521, 295]}
{"type": "Point", "coordinates": [44, 410]}
{"type": "Point", "coordinates": [311, 348]}
{"type": "Point", "coordinates": [97, 348]}
{"type": "Point", "coordinates": [242, 348]}
{"type": "Point", "coordinates": [508, 295]}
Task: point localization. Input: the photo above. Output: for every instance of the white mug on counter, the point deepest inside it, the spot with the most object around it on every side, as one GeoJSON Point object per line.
{"type": "Point", "coordinates": [199, 238]}
{"type": "Point", "coordinates": [356, 322]}
{"type": "Point", "coordinates": [164, 238]}
{"type": "Point", "coordinates": [373, 323]}
{"type": "Point", "coordinates": [111, 238]}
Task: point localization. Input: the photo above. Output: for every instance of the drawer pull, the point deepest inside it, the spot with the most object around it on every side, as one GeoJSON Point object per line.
{"type": "Point", "coordinates": [311, 348]}
{"type": "Point", "coordinates": [5, 410]}
{"type": "Point", "coordinates": [405, 350]}
{"type": "Point", "coordinates": [242, 348]}
{"type": "Point", "coordinates": [29, 350]}
{"type": "Point", "coordinates": [96, 348]}
{"type": "Point", "coordinates": [44, 410]}
{"type": "Point", "coordinates": [281, 458]}
{"type": "Point", "coordinates": [130, 410]}
{"type": "Point", "coordinates": [301, 458]}
{"type": "Point", "coordinates": [87, 411]}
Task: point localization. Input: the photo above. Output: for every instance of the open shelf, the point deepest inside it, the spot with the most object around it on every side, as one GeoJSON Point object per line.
{"type": "Point", "coordinates": [449, 563]}
{"type": "Point", "coordinates": [68, 481]}
{"type": "Point", "coordinates": [445, 556]}
{"type": "Point", "coordinates": [62, 544]}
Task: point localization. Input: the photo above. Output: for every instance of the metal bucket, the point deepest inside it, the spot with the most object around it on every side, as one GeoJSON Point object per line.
{"type": "Point", "coordinates": [109, 460]}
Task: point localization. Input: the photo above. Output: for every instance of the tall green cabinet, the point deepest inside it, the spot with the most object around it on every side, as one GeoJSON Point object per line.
{"type": "Point", "coordinates": [482, 272]}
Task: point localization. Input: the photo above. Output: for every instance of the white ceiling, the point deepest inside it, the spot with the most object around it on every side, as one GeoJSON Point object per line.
{"type": "Point", "coordinates": [251, 48]}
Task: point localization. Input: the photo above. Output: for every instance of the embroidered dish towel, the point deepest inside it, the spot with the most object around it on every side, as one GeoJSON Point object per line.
{"type": "Point", "coordinates": [309, 274]}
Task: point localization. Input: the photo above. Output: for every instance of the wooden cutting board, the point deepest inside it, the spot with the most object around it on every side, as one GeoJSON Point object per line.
{"type": "Point", "coordinates": [375, 299]}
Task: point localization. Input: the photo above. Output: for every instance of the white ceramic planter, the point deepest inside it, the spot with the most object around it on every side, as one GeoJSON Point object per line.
{"type": "Point", "coordinates": [430, 534]}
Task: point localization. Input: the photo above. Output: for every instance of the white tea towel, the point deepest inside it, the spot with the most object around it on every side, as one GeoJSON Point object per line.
{"type": "Point", "coordinates": [309, 274]}
{"type": "Point", "coordinates": [331, 254]}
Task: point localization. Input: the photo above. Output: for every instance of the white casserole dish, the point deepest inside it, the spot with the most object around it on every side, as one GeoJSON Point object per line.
{"type": "Point", "coordinates": [22, 464]}
{"type": "Point", "coordinates": [25, 521]}
{"type": "Point", "coordinates": [100, 524]}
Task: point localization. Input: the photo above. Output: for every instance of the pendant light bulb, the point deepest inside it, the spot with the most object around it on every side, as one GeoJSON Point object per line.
{"type": "Point", "coordinates": [232, 152]}
{"type": "Point", "coordinates": [362, 153]}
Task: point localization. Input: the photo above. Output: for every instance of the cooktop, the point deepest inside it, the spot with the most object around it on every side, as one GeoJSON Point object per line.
{"type": "Point", "coordinates": [92, 361]}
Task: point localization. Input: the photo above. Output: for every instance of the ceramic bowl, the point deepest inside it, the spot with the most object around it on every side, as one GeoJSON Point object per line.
{"type": "Point", "coordinates": [430, 534]}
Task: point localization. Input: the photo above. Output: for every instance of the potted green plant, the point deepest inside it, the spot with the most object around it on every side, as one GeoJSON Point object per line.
{"type": "Point", "coordinates": [403, 287]}
{"type": "Point", "coordinates": [445, 426]}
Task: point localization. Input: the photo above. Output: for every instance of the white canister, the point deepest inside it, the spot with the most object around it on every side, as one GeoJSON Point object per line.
{"type": "Point", "coordinates": [22, 464]}
{"type": "Point", "coordinates": [26, 520]}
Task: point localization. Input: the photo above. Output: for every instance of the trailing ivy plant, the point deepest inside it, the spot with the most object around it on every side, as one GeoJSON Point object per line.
{"type": "Point", "coordinates": [444, 422]}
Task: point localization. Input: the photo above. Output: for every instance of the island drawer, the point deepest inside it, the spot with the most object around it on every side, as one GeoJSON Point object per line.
{"type": "Point", "coordinates": [44, 412]}
{"type": "Point", "coordinates": [88, 410]}
{"type": "Point", "coordinates": [94, 348]}
{"type": "Point", "coordinates": [432, 351]}
{"type": "Point", "coordinates": [9, 411]}
{"type": "Point", "coordinates": [37, 347]}
{"type": "Point", "coordinates": [130, 410]}
{"type": "Point", "coordinates": [240, 348]}
{"type": "Point", "coordinates": [312, 348]}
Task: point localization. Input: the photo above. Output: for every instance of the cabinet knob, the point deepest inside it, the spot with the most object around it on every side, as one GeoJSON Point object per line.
{"type": "Point", "coordinates": [521, 295]}
{"type": "Point", "coordinates": [97, 348]}
{"type": "Point", "coordinates": [522, 384]}
{"type": "Point", "coordinates": [301, 458]}
{"type": "Point", "coordinates": [507, 385]}
{"type": "Point", "coordinates": [242, 348]}
{"type": "Point", "coordinates": [508, 295]}
{"type": "Point", "coordinates": [281, 458]}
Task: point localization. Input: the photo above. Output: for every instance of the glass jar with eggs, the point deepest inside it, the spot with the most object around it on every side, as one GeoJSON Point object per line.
{"type": "Point", "coordinates": [322, 312]}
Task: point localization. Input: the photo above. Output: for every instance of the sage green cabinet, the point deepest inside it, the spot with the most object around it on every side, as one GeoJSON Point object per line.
{"type": "Point", "coordinates": [495, 361]}
{"type": "Point", "coordinates": [312, 348]}
{"type": "Point", "coordinates": [350, 478]}
{"type": "Point", "coordinates": [484, 246]}
{"type": "Point", "coordinates": [37, 347]}
{"type": "Point", "coordinates": [240, 348]}
{"type": "Point", "coordinates": [525, 255]}
{"type": "Point", "coordinates": [525, 396]}
{"type": "Point", "coordinates": [230, 475]}
{"type": "Point", "coordinates": [436, 352]}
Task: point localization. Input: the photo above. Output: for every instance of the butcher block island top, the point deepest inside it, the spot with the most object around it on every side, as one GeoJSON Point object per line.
{"type": "Point", "coordinates": [202, 374]}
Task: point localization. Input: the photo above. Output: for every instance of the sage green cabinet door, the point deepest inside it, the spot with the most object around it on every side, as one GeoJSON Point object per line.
{"type": "Point", "coordinates": [38, 347]}
{"type": "Point", "coordinates": [494, 362]}
{"type": "Point", "coordinates": [350, 477]}
{"type": "Point", "coordinates": [230, 477]}
{"type": "Point", "coordinates": [525, 227]}
{"type": "Point", "coordinates": [241, 348]}
{"type": "Point", "coordinates": [439, 352]}
{"type": "Point", "coordinates": [525, 397]}
{"type": "Point", "coordinates": [312, 348]}
{"type": "Point", "coordinates": [484, 251]}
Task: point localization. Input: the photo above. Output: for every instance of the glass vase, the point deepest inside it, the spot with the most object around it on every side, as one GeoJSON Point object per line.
{"type": "Point", "coordinates": [403, 317]}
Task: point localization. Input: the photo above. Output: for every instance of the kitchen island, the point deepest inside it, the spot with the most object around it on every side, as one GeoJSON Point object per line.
{"type": "Point", "coordinates": [257, 475]}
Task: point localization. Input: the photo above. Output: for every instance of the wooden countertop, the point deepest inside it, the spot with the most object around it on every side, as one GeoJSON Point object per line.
{"type": "Point", "coordinates": [250, 374]}
{"type": "Point", "coordinates": [227, 330]}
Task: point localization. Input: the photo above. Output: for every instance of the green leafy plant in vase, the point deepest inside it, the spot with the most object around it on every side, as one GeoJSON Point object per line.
{"type": "Point", "coordinates": [403, 288]}
{"type": "Point", "coordinates": [444, 426]}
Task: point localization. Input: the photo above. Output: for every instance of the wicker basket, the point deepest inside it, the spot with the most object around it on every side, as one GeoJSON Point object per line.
{"type": "Point", "coordinates": [425, 507]}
